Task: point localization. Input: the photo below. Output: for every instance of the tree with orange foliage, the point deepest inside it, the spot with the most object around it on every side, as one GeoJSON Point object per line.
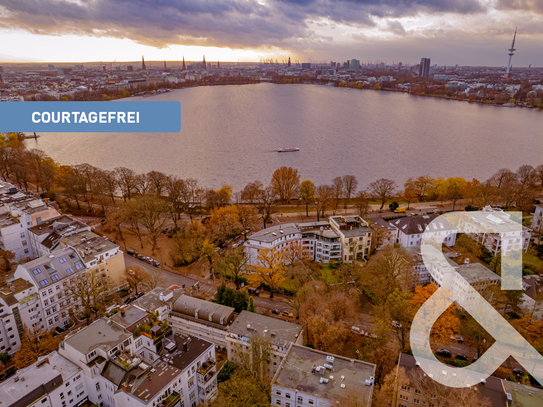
{"type": "Point", "coordinates": [447, 324]}
{"type": "Point", "coordinates": [224, 222]}
{"type": "Point", "coordinates": [34, 345]}
{"type": "Point", "coordinates": [270, 269]}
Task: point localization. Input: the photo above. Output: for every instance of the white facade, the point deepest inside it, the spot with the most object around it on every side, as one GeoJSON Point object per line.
{"type": "Point", "coordinates": [410, 230]}
{"type": "Point", "coordinates": [355, 237]}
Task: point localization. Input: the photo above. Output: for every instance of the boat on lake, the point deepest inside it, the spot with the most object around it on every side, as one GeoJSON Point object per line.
{"type": "Point", "coordinates": [287, 150]}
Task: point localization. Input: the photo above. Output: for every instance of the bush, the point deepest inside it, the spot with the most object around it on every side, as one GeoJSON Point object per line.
{"type": "Point", "coordinates": [231, 298]}
{"type": "Point", "coordinates": [512, 378]}
{"type": "Point", "coordinates": [226, 371]}
{"type": "Point", "coordinates": [393, 206]}
{"type": "Point", "coordinates": [4, 357]}
{"type": "Point", "coordinates": [471, 208]}
{"type": "Point", "coordinates": [142, 328]}
{"type": "Point", "coordinates": [460, 363]}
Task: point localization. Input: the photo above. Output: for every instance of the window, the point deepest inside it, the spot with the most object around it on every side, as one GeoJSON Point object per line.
{"type": "Point", "coordinates": [54, 277]}
{"type": "Point", "coordinates": [44, 282]}
{"type": "Point", "coordinates": [62, 260]}
{"type": "Point", "coordinates": [44, 400]}
{"type": "Point", "coordinates": [69, 270]}
{"type": "Point", "coordinates": [25, 243]}
{"type": "Point", "coordinates": [278, 392]}
{"type": "Point", "coordinates": [287, 395]}
{"type": "Point", "coordinates": [26, 251]}
{"type": "Point", "coordinates": [36, 271]}
{"type": "Point", "coordinates": [46, 303]}
{"type": "Point", "coordinates": [79, 266]}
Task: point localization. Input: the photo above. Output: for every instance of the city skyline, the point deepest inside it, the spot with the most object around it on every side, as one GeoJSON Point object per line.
{"type": "Point", "coordinates": [467, 32]}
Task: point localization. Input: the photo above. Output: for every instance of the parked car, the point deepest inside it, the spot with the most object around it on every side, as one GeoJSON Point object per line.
{"type": "Point", "coordinates": [396, 324]}
{"type": "Point", "coordinates": [518, 372]}
{"type": "Point", "coordinates": [370, 335]}
{"type": "Point", "coordinates": [130, 252]}
{"type": "Point", "coordinates": [275, 311]}
{"type": "Point", "coordinates": [139, 295]}
{"type": "Point", "coordinates": [156, 263]}
{"type": "Point", "coordinates": [460, 339]}
{"type": "Point", "coordinates": [253, 291]}
{"type": "Point", "coordinates": [356, 330]}
{"type": "Point", "coordinates": [10, 372]}
{"type": "Point", "coordinates": [287, 314]}
{"type": "Point", "coordinates": [461, 357]}
{"type": "Point", "coordinates": [444, 352]}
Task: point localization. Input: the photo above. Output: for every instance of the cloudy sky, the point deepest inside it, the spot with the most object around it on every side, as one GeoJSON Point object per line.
{"type": "Point", "coordinates": [465, 32]}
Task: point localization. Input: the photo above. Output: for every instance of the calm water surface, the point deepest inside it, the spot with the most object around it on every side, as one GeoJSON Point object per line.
{"type": "Point", "coordinates": [229, 134]}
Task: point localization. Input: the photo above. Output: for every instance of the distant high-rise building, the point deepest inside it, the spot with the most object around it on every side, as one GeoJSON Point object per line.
{"type": "Point", "coordinates": [511, 53]}
{"type": "Point", "coordinates": [306, 65]}
{"type": "Point", "coordinates": [354, 65]}
{"type": "Point", "coordinates": [184, 66]}
{"type": "Point", "coordinates": [424, 69]}
{"type": "Point", "coordinates": [164, 64]}
{"type": "Point", "coordinates": [288, 61]}
{"type": "Point", "coordinates": [130, 68]}
{"type": "Point", "coordinates": [143, 67]}
{"type": "Point", "coordinates": [219, 65]}
{"type": "Point", "coordinates": [204, 63]}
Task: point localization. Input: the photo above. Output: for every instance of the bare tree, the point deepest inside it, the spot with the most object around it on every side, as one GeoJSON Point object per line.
{"type": "Point", "coordinates": [127, 181]}
{"type": "Point", "coordinates": [351, 183]}
{"type": "Point", "coordinates": [155, 279]}
{"type": "Point", "coordinates": [89, 289]}
{"type": "Point", "coordinates": [157, 181]}
{"type": "Point", "coordinates": [362, 203]}
{"type": "Point", "coordinates": [151, 210]}
{"type": "Point", "coordinates": [265, 204]}
{"type": "Point", "coordinates": [324, 199]}
{"type": "Point", "coordinates": [337, 184]}
{"type": "Point", "coordinates": [135, 275]}
{"type": "Point", "coordinates": [250, 193]}
{"type": "Point", "coordinates": [383, 189]}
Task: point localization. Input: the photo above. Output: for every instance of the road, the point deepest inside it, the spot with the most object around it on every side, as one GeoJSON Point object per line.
{"type": "Point", "coordinates": [171, 278]}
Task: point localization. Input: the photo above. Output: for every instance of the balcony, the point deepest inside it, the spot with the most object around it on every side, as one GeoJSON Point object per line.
{"type": "Point", "coordinates": [206, 372]}
{"type": "Point", "coordinates": [170, 401]}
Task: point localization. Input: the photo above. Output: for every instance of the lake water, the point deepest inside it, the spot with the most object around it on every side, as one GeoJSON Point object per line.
{"type": "Point", "coordinates": [229, 134]}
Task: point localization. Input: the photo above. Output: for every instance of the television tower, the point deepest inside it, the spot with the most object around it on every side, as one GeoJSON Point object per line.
{"type": "Point", "coordinates": [511, 53]}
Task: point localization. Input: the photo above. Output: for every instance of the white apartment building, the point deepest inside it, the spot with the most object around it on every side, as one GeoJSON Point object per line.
{"type": "Point", "coordinates": [50, 275]}
{"type": "Point", "coordinates": [320, 240]}
{"type": "Point", "coordinates": [409, 231]}
{"type": "Point", "coordinates": [311, 378]}
{"type": "Point", "coordinates": [121, 369]}
{"type": "Point", "coordinates": [18, 213]}
{"type": "Point", "coordinates": [503, 232]}
{"type": "Point", "coordinates": [53, 381]}
{"type": "Point", "coordinates": [537, 223]}
{"type": "Point", "coordinates": [45, 237]}
{"type": "Point", "coordinates": [280, 334]}
{"type": "Point", "coordinates": [355, 237]}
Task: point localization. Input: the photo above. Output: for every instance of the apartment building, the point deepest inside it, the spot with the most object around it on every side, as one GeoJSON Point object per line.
{"type": "Point", "coordinates": [49, 275]}
{"type": "Point", "coordinates": [320, 241]}
{"type": "Point", "coordinates": [18, 213]}
{"type": "Point", "coordinates": [159, 301]}
{"type": "Point", "coordinates": [411, 394]}
{"type": "Point", "coordinates": [53, 381]}
{"type": "Point", "coordinates": [355, 237]}
{"type": "Point", "coordinates": [309, 377]}
{"type": "Point", "coordinates": [99, 255]}
{"type": "Point", "coordinates": [409, 231]}
{"type": "Point", "coordinates": [502, 233]}
{"type": "Point", "coordinates": [278, 333]}
{"type": "Point", "coordinates": [45, 237]}
{"type": "Point", "coordinates": [203, 319]}
{"type": "Point", "coordinates": [537, 223]}
{"type": "Point", "coordinates": [17, 308]}
{"type": "Point", "coordinates": [158, 369]}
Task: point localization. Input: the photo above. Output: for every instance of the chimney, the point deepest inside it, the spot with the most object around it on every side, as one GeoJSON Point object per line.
{"type": "Point", "coordinates": [185, 347]}
{"type": "Point", "coordinates": [125, 387]}
{"type": "Point", "coordinates": [122, 310]}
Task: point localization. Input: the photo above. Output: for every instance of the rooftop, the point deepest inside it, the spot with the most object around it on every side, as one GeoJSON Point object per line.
{"type": "Point", "coordinates": [88, 244]}
{"type": "Point", "coordinates": [149, 385]}
{"type": "Point", "coordinates": [36, 380]}
{"type": "Point", "coordinates": [350, 226]}
{"type": "Point", "coordinates": [270, 234]}
{"type": "Point", "coordinates": [99, 334]}
{"type": "Point", "coordinates": [413, 225]}
{"type": "Point", "coordinates": [58, 223]}
{"type": "Point", "coordinates": [182, 359]}
{"type": "Point", "coordinates": [50, 269]}
{"type": "Point", "coordinates": [475, 272]}
{"type": "Point", "coordinates": [279, 332]}
{"type": "Point", "coordinates": [152, 300]}
{"type": "Point", "coordinates": [129, 316]}
{"type": "Point", "coordinates": [298, 371]}
{"type": "Point", "coordinates": [523, 396]}
{"type": "Point", "coordinates": [207, 311]}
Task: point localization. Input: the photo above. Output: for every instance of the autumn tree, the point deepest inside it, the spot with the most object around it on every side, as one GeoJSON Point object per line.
{"type": "Point", "coordinates": [209, 255]}
{"type": "Point", "coordinates": [135, 275]}
{"type": "Point", "coordinates": [89, 289]}
{"type": "Point", "coordinates": [34, 344]}
{"type": "Point", "coordinates": [286, 183]}
{"type": "Point", "coordinates": [324, 199]}
{"type": "Point", "coordinates": [265, 204]}
{"type": "Point", "coordinates": [233, 264]}
{"type": "Point", "coordinates": [250, 193]}
{"type": "Point", "coordinates": [248, 218]}
{"type": "Point", "coordinates": [155, 278]}
{"type": "Point", "coordinates": [243, 390]}
{"type": "Point", "coordinates": [131, 215]}
{"type": "Point", "coordinates": [338, 192]}
{"type": "Point", "coordinates": [224, 223]}
{"type": "Point", "coordinates": [157, 182]}
{"type": "Point", "coordinates": [126, 179]}
{"type": "Point", "coordinates": [362, 203]}
{"type": "Point", "coordinates": [350, 184]}
{"type": "Point", "coordinates": [269, 270]}
{"type": "Point", "coordinates": [383, 189]}
{"type": "Point", "coordinates": [307, 194]}
{"type": "Point", "coordinates": [455, 186]}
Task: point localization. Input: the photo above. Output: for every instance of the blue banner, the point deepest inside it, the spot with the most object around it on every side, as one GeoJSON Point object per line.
{"type": "Point", "coordinates": [85, 117]}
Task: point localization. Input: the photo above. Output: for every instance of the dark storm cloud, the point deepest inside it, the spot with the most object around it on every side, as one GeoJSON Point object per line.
{"type": "Point", "coordinates": [231, 23]}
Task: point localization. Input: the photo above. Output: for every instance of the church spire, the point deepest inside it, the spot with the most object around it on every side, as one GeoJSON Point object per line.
{"type": "Point", "coordinates": [184, 67]}
{"type": "Point", "coordinates": [204, 62]}
{"type": "Point", "coordinates": [143, 63]}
